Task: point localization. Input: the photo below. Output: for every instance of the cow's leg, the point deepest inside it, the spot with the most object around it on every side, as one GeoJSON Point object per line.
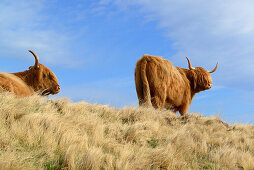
{"type": "Point", "coordinates": [158, 96]}
{"type": "Point", "coordinates": [175, 109]}
{"type": "Point", "coordinates": [158, 101]}
{"type": "Point", "coordinates": [183, 109]}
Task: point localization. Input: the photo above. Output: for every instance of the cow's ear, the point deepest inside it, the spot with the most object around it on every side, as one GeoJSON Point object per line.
{"type": "Point", "coordinates": [33, 67]}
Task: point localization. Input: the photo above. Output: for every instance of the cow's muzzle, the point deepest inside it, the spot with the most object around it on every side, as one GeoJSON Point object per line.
{"type": "Point", "coordinates": [57, 89]}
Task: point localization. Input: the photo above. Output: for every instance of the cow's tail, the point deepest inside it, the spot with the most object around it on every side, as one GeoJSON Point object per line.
{"type": "Point", "coordinates": [142, 86]}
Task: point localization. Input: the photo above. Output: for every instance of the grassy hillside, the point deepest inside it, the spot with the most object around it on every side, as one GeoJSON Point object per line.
{"type": "Point", "coordinates": [37, 133]}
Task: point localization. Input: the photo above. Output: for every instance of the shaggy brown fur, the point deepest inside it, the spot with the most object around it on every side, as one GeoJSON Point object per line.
{"type": "Point", "coordinates": [37, 79]}
{"type": "Point", "coordinates": [161, 85]}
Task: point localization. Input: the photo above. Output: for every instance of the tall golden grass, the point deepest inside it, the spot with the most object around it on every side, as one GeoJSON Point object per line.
{"type": "Point", "coordinates": [39, 133]}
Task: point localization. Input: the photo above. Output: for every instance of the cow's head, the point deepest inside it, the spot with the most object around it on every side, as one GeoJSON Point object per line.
{"type": "Point", "coordinates": [43, 80]}
{"type": "Point", "coordinates": [200, 78]}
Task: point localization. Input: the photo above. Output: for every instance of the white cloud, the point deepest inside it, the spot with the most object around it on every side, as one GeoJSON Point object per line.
{"type": "Point", "coordinates": [206, 31]}
{"type": "Point", "coordinates": [23, 26]}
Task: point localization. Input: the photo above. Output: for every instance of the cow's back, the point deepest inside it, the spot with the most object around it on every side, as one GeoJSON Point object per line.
{"type": "Point", "coordinates": [12, 83]}
{"type": "Point", "coordinates": [164, 78]}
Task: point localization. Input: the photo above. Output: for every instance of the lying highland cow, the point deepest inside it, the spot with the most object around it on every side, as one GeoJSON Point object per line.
{"type": "Point", "coordinates": [38, 79]}
{"type": "Point", "coordinates": [161, 85]}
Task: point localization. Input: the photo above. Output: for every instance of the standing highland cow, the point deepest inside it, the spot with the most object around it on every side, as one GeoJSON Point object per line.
{"type": "Point", "coordinates": [161, 85]}
{"type": "Point", "coordinates": [38, 79]}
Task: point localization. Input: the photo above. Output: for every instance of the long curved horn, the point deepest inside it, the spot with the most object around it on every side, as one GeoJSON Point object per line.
{"type": "Point", "coordinates": [189, 64]}
{"type": "Point", "coordinates": [36, 59]}
{"type": "Point", "coordinates": [214, 68]}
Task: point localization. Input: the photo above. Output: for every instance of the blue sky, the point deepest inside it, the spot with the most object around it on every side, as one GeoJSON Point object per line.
{"type": "Point", "coordinates": [93, 45]}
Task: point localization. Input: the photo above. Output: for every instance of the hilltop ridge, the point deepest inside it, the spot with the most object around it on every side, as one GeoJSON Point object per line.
{"type": "Point", "coordinates": [41, 133]}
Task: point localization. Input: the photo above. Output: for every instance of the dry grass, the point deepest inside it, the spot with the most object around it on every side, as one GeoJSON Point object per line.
{"type": "Point", "coordinates": [36, 133]}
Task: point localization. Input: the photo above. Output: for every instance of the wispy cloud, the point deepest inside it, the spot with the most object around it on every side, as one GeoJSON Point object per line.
{"type": "Point", "coordinates": [207, 32]}
{"type": "Point", "coordinates": [23, 25]}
